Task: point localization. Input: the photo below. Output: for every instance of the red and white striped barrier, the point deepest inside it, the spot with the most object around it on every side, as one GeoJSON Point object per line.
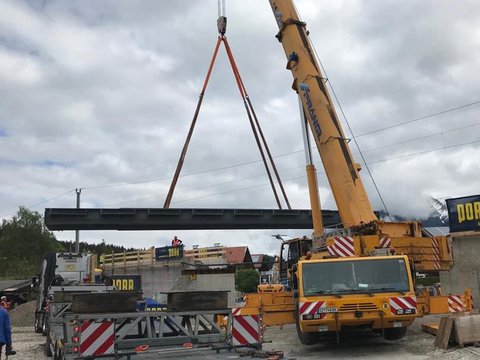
{"type": "Point", "coordinates": [384, 242]}
{"type": "Point", "coordinates": [455, 303]}
{"type": "Point", "coordinates": [401, 305]}
{"type": "Point", "coordinates": [436, 254]}
{"type": "Point", "coordinates": [343, 246]}
{"type": "Point", "coordinates": [311, 308]}
{"type": "Point", "coordinates": [236, 311]}
{"type": "Point", "coordinates": [97, 338]}
{"type": "Point", "coordinates": [246, 330]}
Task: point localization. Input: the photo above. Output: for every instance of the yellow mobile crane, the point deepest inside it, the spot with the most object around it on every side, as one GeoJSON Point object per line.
{"type": "Point", "coordinates": [362, 275]}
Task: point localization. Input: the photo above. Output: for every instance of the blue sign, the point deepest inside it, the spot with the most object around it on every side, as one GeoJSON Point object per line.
{"type": "Point", "coordinates": [169, 252]}
{"type": "Point", "coordinates": [464, 213]}
{"type": "Point", "coordinates": [127, 282]}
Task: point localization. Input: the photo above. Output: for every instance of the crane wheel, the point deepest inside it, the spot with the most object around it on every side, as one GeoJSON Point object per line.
{"type": "Point", "coordinates": [395, 333]}
{"type": "Point", "coordinates": [304, 337]}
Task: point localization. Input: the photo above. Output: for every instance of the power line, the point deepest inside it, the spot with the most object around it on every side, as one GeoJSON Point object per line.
{"type": "Point", "coordinates": [299, 167]}
{"type": "Point", "coordinates": [422, 137]}
{"type": "Point", "coordinates": [44, 201]}
{"type": "Point", "coordinates": [251, 162]}
{"type": "Point", "coordinates": [278, 156]}
{"type": "Point", "coordinates": [424, 152]}
{"type": "Point", "coordinates": [420, 118]}
{"type": "Point", "coordinates": [186, 175]}
{"type": "Point", "coordinates": [50, 199]}
{"type": "Point", "coordinates": [351, 132]}
{"type": "Point", "coordinates": [255, 161]}
{"type": "Point", "coordinates": [296, 177]}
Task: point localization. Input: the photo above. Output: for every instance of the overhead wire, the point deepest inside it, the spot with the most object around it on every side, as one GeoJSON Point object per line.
{"type": "Point", "coordinates": [44, 201]}
{"type": "Point", "coordinates": [50, 199]}
{"type": "Point", "coordinates": [304, 176]}
{"type": "Point", "coordinates": [350, 129]}
{"type": "Point", "coordinates": [258, 161]}
{"type": "Point", "coordinates": [421, 137]}
{"type": "Point", "coordinates": [264, 184]}
{"type": "Point", "coordinates": [420, 118]}
{"type": "Point", "coordinates": [292, 178]}
{"type": "Point", "coordinates": [425, 151]}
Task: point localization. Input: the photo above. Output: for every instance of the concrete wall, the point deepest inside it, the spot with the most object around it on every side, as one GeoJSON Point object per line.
{"type": "Point", "coordinates": [164, 277]}
{"type": "Point", "coordinates": [466, 268]}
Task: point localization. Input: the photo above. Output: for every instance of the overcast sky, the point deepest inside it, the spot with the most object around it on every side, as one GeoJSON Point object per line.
{"type": "Point", "coordinates": [99, 95]}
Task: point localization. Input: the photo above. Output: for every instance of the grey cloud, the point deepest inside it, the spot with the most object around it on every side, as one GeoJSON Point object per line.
{"type": "Point", "coordinates": [104, 92]}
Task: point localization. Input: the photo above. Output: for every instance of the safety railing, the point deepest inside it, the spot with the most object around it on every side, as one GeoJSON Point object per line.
{"type": "Point", "coordinates": [128, 258]}
{"type": "Point", "coordinates": [206, 252]}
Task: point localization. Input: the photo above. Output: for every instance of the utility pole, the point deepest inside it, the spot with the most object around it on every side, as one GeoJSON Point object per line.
{"type": "Point", "coordinates": [77, 232]}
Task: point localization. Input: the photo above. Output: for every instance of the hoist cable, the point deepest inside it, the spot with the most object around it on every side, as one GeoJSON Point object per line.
{"type": "Point", "coordinates": [255, 124]}
{"type": "Point", "coordinates": [168, 199]}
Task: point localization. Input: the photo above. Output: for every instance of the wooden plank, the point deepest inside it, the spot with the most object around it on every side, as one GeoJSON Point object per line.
{"type": "Point", "coordinates": [444, 332]}
{"type": "Point", "coordinates": [431, 328]}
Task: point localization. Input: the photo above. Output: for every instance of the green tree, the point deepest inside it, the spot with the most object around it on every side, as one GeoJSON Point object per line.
{"type": "Point", "coordinates": [246, 280]}
{"type": "Point", "coordinates": [267, 263]}
{"type": "Point", "coordinates": [23, 241]}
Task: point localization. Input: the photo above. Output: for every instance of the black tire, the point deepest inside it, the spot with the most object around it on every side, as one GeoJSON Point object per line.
{"type": "Point", "coordinates": [395, 333]}
{"type": "Point", "coordinates": [38, 323]}
{"type": "Point", "coordinates": [44, 325]}
{"type": "Point", "coordinates": [48, 350]}
{"type": "Point", "coordinates": [304, 337]}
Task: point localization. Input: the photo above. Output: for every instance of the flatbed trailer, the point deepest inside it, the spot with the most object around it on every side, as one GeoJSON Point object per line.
{"type": "Point", "coordinates": [86, 336]}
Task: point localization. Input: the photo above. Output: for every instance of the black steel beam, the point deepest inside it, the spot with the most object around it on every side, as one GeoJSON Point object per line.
{"type": "Point", "coordinates": [182, 219]}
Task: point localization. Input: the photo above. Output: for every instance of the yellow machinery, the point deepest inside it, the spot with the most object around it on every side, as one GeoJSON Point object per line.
{"type": "Point", "coordinates": [362, 275]}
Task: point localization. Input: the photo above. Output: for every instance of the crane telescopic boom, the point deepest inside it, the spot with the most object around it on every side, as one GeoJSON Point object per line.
{"type": "Point", "coordinates": [342, 172]}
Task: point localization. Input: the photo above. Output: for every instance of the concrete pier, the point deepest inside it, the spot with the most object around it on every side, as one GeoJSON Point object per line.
{"type": "Point", "coordinates": [465, 272]}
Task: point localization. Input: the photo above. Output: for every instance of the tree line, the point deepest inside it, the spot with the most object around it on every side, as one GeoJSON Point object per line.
{"type": "Point", "coordinates": [24, 239]}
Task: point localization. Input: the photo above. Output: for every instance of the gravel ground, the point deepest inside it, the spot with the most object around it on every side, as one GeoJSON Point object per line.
{"type": "Point", "coordinates": [28, 344]}
{"type": "Point", "coordinates": [415, 345]}
{"type": "Point", "coordinates": [23, 315]}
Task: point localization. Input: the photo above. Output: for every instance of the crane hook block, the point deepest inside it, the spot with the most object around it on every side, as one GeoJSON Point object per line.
{"type": "Point", "coordinates": [222, 25]}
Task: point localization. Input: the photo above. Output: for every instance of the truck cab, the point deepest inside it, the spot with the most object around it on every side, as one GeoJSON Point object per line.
{"type": "Point", "coordinates": [336, 293]}
{"type": "Point", "coordinates": [59, 269]}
